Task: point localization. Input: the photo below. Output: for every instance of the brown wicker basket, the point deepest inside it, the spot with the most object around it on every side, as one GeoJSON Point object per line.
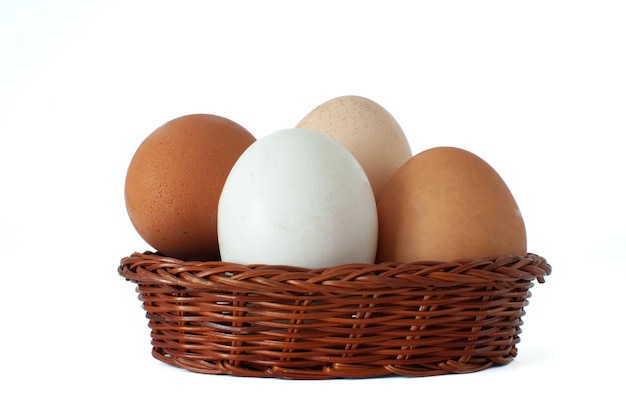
{"type": "Point", "coordinates": [352, 321]}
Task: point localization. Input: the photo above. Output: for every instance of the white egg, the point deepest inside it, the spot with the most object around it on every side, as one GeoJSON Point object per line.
{"type": "Point", "coordinates": [297, 197]}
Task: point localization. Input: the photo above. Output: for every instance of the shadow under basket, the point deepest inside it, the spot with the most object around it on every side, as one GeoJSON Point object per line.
{"type": "Point", "coordinates": [351, 321]}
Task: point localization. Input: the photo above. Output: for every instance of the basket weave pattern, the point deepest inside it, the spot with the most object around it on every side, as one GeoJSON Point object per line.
{"type": "Point", "coordinates": [352, 321]}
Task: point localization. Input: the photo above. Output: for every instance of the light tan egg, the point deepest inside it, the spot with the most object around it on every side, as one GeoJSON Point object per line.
{"type": "Point", "coordinates": [446, 204]}
{"type": "Point", "coordinates": [367, 130]}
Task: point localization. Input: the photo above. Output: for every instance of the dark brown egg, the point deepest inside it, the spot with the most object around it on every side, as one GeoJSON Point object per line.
{"type": "Point", "coordinates": [175, 179]}
{"type": "Point", "coordinates": [446, 204]}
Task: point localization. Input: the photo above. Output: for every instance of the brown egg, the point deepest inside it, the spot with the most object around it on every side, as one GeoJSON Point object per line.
{"type": "Point", "coordinates": [175, 179]}
{"type": "Point", "coordinates": [446, 204]}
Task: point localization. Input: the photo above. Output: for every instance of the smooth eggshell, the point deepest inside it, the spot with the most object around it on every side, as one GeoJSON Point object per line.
{"type": "Point", "coordinates": [446, 204]}
{"type": "Point", "coordinates": [367, 130]}
{"type": "Point", "coordinates": [297, 198]}
{"type": "Point", "coordinates": [174, 181]}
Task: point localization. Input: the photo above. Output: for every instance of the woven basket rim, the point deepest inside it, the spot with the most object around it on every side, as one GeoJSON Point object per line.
{"type": "Point", "coordinates": [391, 274]}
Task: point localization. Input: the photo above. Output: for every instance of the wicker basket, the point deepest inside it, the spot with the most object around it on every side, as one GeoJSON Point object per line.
{"type": "Point", "coordinates": [352, 321]}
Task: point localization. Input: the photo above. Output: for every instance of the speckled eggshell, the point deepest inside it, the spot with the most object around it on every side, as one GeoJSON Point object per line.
{"type": "Point", "coordinates": [447, 204]}
{"type": "Point", "coordinates": [175, 179]}
{"type": "Point", "coordinates": [367, 130]}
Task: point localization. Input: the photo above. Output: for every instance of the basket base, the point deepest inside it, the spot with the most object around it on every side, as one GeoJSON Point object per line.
{"type": "Point", "coordinates": [325, 372]}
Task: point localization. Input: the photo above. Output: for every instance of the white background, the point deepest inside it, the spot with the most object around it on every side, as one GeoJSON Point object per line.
{"type": "Point", "coordinates": [536, 88]}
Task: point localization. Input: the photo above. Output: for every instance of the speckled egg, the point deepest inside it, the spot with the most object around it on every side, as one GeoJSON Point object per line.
{"type": "Point", "coordinates": [367, 130]}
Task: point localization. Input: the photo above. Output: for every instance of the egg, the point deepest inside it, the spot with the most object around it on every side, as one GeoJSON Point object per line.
{"type": "Point", "coordinates": [367, 130]}
{"type": "Point", "coordinates": [297, 198]}
{"type": "Point", "coordinates": [174, 181]}
{"type": "Point", "coordinates": [445, 204]}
